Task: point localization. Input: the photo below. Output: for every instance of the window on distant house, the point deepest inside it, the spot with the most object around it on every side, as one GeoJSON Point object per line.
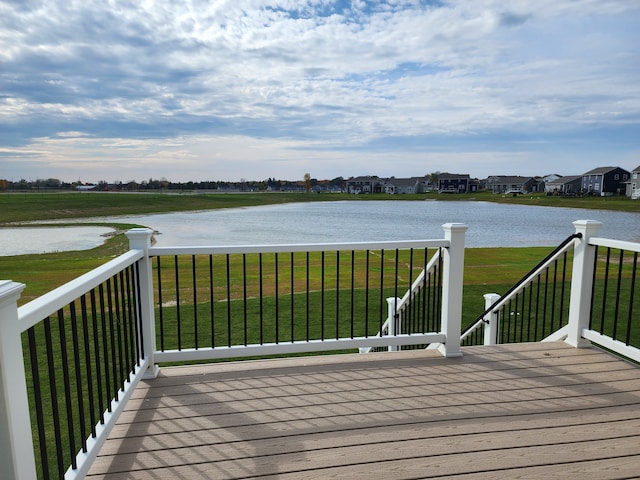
{"type": "Point", "coordinates": [616, 177]}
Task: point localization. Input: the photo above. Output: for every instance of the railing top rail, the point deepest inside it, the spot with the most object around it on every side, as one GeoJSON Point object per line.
{"type": "Point", "coordinates": [619, 244]}
{"type": "Point", "coordinates": [36, 310]}
{"type": "Point", "coordinates": [287, 248]}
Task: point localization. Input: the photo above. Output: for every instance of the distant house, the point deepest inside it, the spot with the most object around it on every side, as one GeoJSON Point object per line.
{"type": "Point", "coordinates": [550, 178]}
{"type": "Point", "coordinates": [406, 185]}
{"type": "Point", "coordinates": [453, 183]}
{"type": "Point", "coordinates": [633, 185]}
{"type": "Point", "coordinates": [605, 181]}
{"type": "Point", "coordinates": [568, 185]}
{"type": "Point", "coordinates": [514, 184]}
{"type": "Point", "coordinates": [365, 185]}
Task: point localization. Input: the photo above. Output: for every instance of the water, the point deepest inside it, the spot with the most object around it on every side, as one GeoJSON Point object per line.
{"type": "Point", "coordinates": [490, 224]}
{"type": "Point", "coordinates": [24, 240]}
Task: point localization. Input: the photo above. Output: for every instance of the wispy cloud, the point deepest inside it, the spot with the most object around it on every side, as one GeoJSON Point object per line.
{"type": "Point", "coordinates": [259, 82]}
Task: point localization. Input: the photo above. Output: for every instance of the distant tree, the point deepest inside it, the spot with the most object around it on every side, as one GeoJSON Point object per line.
{"type": "Point", "coordinates": [307, 182]}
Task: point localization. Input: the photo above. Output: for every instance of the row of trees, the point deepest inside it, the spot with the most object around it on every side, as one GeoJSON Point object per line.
{"type": "Point", "coordinates": [270, 184]}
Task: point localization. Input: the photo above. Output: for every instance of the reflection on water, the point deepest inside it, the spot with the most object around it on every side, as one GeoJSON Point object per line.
{"type": "Point", "coordinates": [490, 224]}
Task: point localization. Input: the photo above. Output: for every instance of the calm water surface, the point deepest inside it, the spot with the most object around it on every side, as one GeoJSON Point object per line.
{"type": "Point", "coordinates": [490, 224]}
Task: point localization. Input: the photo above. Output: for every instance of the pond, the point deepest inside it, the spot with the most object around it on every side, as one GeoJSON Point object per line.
{"type": "Point", "coordinates": [490, 224]}
{"type": "Point", "coordinates": [25, 240]}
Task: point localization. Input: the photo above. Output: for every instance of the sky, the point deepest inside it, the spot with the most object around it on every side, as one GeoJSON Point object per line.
{"type": "Point", "coordinates": [231, 90]}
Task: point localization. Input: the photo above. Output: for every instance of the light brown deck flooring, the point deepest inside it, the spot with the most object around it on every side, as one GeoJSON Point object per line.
{"type": "Point", "coordinates": [532, 411]}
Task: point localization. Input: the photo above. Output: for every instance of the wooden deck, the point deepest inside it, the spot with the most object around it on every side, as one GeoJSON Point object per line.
{"type": "Point", "coordinates": [540, 410]}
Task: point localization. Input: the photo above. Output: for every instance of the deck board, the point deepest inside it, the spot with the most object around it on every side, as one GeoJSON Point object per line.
{"type": "Point", "coordinates": [526, 411]}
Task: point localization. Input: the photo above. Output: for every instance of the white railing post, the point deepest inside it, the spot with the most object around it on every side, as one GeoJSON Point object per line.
{"type": "Point", "coordinates": [452, 282]}
{"type": "Point", "coordinates": [393, 321]}
{"type": "Point", "coordinates": [491, 320]}
{"type": "Point", "coordinates": [140, 239]}
{"type": "Point", "coordinates": [581, 282]}
{"type": "Point", "coordinates": [17, 460]}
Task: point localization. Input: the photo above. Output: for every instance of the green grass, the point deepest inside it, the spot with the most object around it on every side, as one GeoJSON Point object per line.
{"type": "Point", "coordinates": [22, 207]}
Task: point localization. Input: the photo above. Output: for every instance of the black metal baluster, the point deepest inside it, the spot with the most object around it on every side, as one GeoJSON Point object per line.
{"type": "Point", "coordinates": [537, 308]}
{"type": "Point", "coordinates": [160, 308]}
{"type": "Point", "coordinates": [337, 295]}
{"type": "Point", "coordinates": [228, 264]}
{"type": "Point", "coordinates": [605, 289]}
{"type": "Point", "coordinates": [211, 302]}
{"type": "Point", "coordinates": [67, 386]}
{"type": "Point", "coordinates": [195, 301]}
{"type": "Point", "coordinates": [292, 297]}
{"type": "Point", "coordinates": [105, 347]}
{"type": "Point", "coordinates": [308, 306]}
{"type": "Point", "coordinates": [616, 309]}
{"type": "Point", "coordinates": [366, 295]}
{"type": "Point", "coordinates": [383, 310]}
{"type": "Point", "coordinates": [261, 298]}
{"type": "Point", "coordinates": [632, 290]}
{"type": "Point", "coordinates": [593, 289]}
{"type": "Point", "coordinates": [55, 409]}
{"type": "Point", "coordinates": [277, 298]}
{"type": "Point", "coordinates": [554, 291]}
{"type": "Point", "coordinates": [244, 296]}
{"type": "Point", "coordinates": [119, 328]}
{"type": "Point", "coordinates": [178, 315]}
{"type": "Point", "coordinates": [96, 349]}
{"type": "Point", "coordinates": [37, 395]}
{"type": "Point", "coordinates": [396, 315]}
{"type": "Point", "coordinates": [353, 273]}
{"type": "Point", "coordinates": [78, 375]}
{"type": "Point", "coordinates": [112, 336]}
{"type": "Point", "coordinates": [139, 331]}
{"type": "Point", "coordinates": [563, 288]}
{"type": "Point", "coordinates": [87, 366]}
{"type": "Point", "coordinates": [322, 296]}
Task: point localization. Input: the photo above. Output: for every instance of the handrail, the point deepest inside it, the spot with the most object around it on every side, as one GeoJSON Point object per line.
{"type": "Point", "coordinates": [618, 244]}
{"type": "Point", "coordinates": [556, 253]}
{"type": "Point", "coordinates": [33, 312]}
{"type": "Point", "coordinates": [297, 247]}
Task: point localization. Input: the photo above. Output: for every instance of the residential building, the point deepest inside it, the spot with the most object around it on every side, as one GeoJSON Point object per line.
{"type": "Point", "coordinates": [633, 185]}
{"type": "Point", "coordinates": [605, 181]}
{"type": "Point", "coordinates": [365, 184]}
{"type": "Point", "coordinates": [407, 185]}
{"type": "Point", "coordinates": [514, 184]}
{"type": "Point", "coordinates": [453, 183]}
{"type": "Point", "coordinates": [567, 185]}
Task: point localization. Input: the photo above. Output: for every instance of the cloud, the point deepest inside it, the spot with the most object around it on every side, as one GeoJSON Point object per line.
{"type": "Point", "coordinates": [315, 75]}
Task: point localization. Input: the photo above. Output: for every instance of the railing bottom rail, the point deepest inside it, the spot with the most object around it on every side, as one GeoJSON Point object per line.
{"type": "Point", "coordinates": [239, 351]}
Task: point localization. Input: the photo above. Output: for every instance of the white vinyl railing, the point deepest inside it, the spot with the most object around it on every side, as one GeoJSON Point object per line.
{"type": "Point", "coordinates": [137, 323]}
{"type": "Point", "coordinates": [125, 305]}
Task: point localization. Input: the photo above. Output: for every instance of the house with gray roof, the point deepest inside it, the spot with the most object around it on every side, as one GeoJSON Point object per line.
{"type": "Point", "coordinates": [453, 183]}
{"type": "Point", "coordinates": [605, 181]}
{"type": "Point", "coordinates": [514, 184]}
{"type": "Point", "coordinates": [365, 184]}
{"type": "Point", "coordinates": [633, 185]}
{"type": "Point", "coordinates": [567, 185]}
{"type": "Point", "coordinates": [407, 185]}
